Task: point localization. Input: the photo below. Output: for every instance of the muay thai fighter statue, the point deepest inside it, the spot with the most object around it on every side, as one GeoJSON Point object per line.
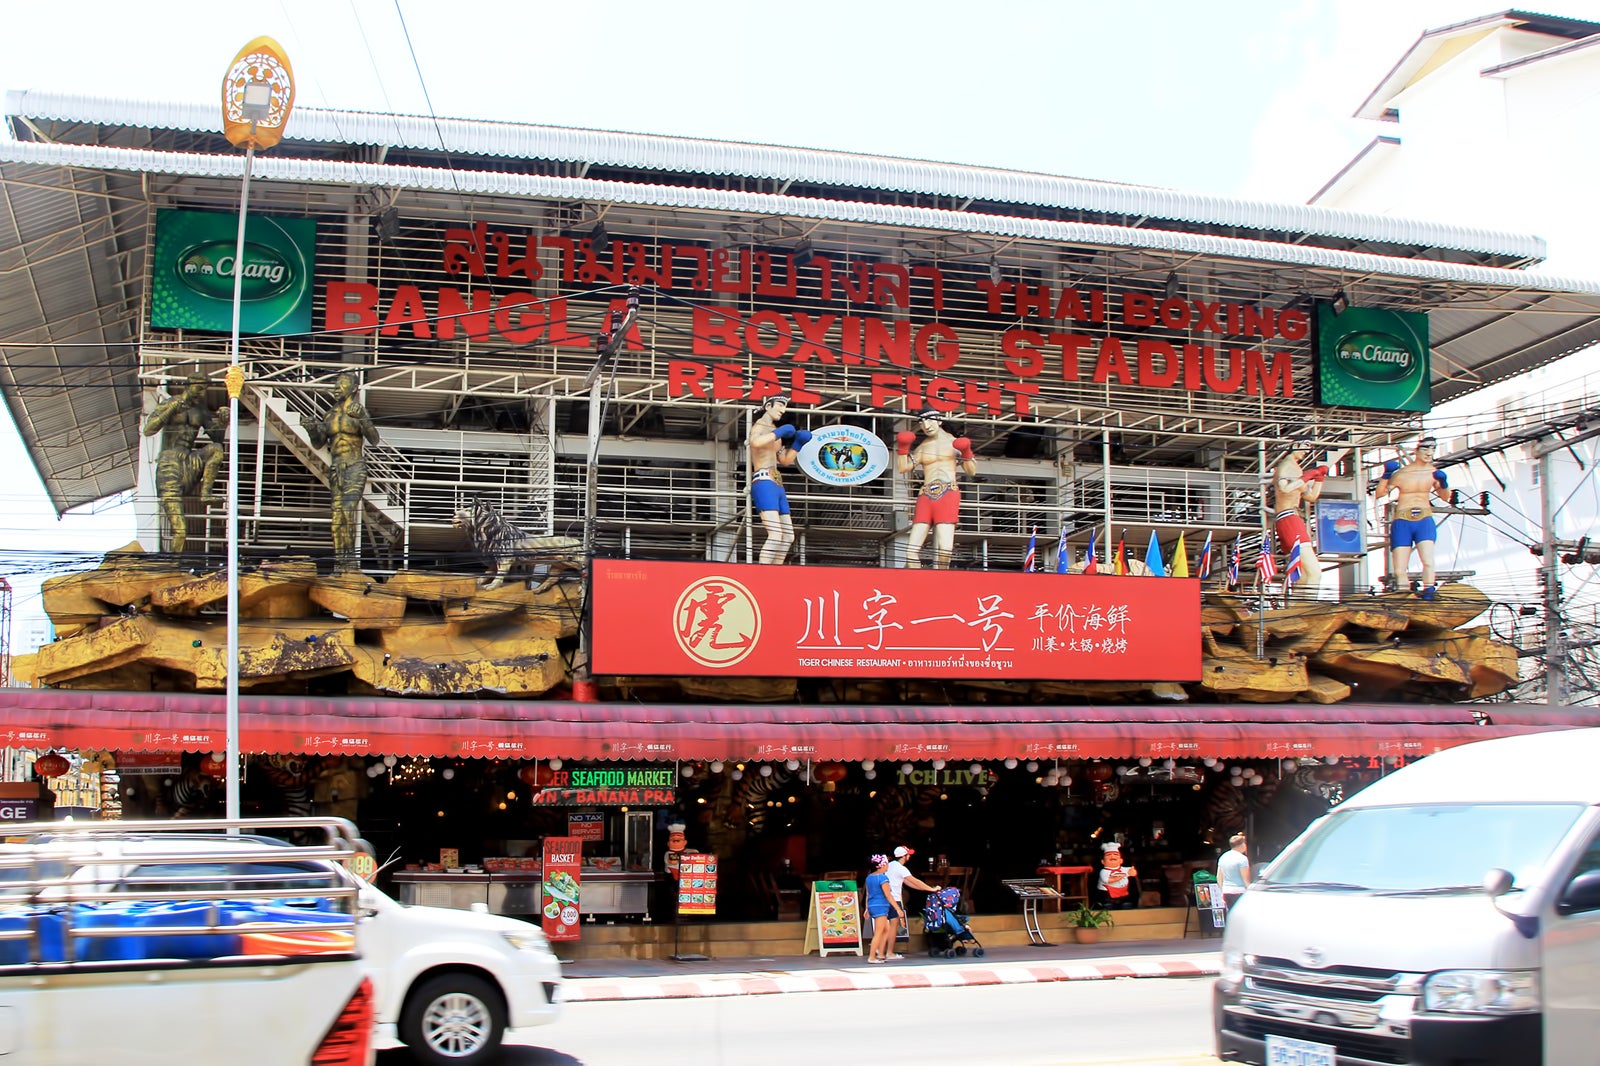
{"type": "Point", "coordinates": [772, 445]}
{"type": "Point", "coordinates": [184, 464]}
{"type": "Point", "coordinates": [938, 504]}
{"type": "Point", "coordinates": [1294, 486]}
{"type": "Point", "coordinates": [1417, 483]}
{"type": "Point", "coordinates": [345, 430]}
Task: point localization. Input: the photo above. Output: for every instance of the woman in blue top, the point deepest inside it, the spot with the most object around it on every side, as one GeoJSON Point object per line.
{"type": "Point", "coordinates": [882, 909]}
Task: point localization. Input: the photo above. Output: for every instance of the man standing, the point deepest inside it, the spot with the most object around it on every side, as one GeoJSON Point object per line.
{"type": "Point", "coordinates": [1416, 483]}
{"type": "Point", "coordinates": [1295, 486]}
{"type": "Point", "coordinates": [772, 444]}
{"type": "Point", "coordinates": [899, 876]}
{"type": "Point", "coordinates": [184, 464]}
{"type": "Point", "coordinates": [1233, 871]}
{"type": "Point", "coordinates": [939, 501]}
{"type": "Point", "coordinates": [344, 430]}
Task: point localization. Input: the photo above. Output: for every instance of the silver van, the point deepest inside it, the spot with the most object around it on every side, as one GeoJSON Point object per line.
{"type": "Point", "coordinates": [1448, 914]}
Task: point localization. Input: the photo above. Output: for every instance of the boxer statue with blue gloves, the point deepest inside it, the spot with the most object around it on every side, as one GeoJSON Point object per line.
{"type": "Point", "coordinates": [934, 461]}
{"type": "Point", "coordinates": [773, 445]}
{"type": "Point", "coordinates": [1417, 483]}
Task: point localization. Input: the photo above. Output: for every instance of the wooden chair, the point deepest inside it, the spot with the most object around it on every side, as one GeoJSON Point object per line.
{"type": "Point", "coordinates": [787, 904]}
{"type": "Point", "coordinates": [964, 878]}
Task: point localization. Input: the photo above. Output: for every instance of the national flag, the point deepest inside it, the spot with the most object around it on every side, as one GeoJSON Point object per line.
{"type": "Point", "coordinates": [1152, 557]}
{"type": "Point", "coordinates": [1063, 553]}
{"type": "Point", "coordinates": [1233, 563]}
{"type": "Point", "coordinates": [1122, 554]}
{"type": "Point", "coordinates": [1027, 562]}
{"type": "Point", "coordinates": [1090, 566]}
{"type": "Point", "coordinates": [1296, 567]}
{"type": "Point", "coordinates": [1204, 569]}
{"type": "Point", "coordinates": [1180, 559]}
{"type": "Point", "coordinates": [1266, 566]}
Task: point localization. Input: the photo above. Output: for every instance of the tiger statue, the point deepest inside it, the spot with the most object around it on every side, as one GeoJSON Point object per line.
{"type": "Point", "coordinates": [498, 540]}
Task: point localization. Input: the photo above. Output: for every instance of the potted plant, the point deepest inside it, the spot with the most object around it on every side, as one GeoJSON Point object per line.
{"type": "Point", "coordinates": [1087, 921]}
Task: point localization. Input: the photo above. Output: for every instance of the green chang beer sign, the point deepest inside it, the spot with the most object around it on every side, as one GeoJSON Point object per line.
{"type": "Point", "coordinates": [1372, 358]}
{"type": "Point", "coordinates": [192, 279]}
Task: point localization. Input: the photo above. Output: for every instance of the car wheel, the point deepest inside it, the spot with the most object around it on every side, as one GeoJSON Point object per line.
{"type": "Point", "coordinates": [454, 1019]}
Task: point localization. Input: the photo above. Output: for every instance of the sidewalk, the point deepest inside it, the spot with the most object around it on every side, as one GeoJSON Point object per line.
{"type": "Point", "coordinates": [593, 980]}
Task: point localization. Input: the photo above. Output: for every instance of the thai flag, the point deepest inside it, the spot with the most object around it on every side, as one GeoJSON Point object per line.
{"type": "Point", "coordinates": [1063, 553]}
{"type": "Point", "coordinates": [1204, 569]}
{"type": "Point", "coordinates": [1296, 568]}
{"type": "Point", "coordinates": [1089, 564]}
{"type": "Point", "coordinates": [1233, 563]}
{"type": "Point", "coordinates": [1027, 562]}
{"type": "Point", "coordinates": [1266, 566]}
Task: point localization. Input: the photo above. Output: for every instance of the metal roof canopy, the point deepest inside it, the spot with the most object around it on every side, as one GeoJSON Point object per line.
{"type": "Point", "coordinates": [80, 196]}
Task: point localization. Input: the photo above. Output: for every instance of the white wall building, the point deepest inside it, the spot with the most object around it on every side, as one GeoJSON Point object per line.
{"type": "Point", "coordinates": [1493, 120]}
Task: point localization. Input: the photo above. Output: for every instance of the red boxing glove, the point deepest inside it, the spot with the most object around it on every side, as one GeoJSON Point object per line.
{"type": "Point", "coordinates": [963, 447]}
{"type": "Point", "coordinates": [1316, 473]}
{"type": "Point", "coordinates": [903, 442]}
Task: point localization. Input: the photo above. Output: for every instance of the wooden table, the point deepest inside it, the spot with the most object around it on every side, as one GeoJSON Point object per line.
{"type": "Point", "coordinates": [1077, 888]}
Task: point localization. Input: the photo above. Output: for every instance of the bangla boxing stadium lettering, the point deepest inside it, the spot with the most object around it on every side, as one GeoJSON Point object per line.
{"type": "Point", "coordinates": [897, 334]}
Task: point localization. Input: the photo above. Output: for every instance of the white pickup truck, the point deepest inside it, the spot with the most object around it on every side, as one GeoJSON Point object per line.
{"type": "Point", "coordinates": [447, 984]}
{"type": "Point", "coordinates": [145, 977]}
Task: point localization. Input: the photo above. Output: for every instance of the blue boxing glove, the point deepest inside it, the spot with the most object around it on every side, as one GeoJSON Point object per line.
{"type": "Point", "coordinates": [801, 439]}
{"type": "Point", "coordinates": [1390, 468]}
{"type": "Point", "coordinates": [784, 433]}
{"type": "Point", "coordinates": [1444, 482]}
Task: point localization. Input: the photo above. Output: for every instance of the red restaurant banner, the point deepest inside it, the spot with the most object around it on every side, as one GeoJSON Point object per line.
{"type": "Point", "coordinates": [695, 618]}
{"type": "Point", "coordinates": [563, 866]}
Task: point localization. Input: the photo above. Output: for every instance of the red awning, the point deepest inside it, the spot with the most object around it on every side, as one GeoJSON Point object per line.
{"type": "Point", "coordinates": [155, 721]}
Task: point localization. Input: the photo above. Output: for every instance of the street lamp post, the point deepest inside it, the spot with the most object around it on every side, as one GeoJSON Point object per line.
{"type": "Point", "coordinates": [257, 96]}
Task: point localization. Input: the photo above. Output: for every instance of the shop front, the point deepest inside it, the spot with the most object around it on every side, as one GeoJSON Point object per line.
{"type": "Point", "coordinates": [463, 798]}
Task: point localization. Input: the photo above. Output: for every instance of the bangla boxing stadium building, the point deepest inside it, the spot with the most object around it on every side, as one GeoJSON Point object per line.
{"type": "Point", "coordinates": [1126, 360]}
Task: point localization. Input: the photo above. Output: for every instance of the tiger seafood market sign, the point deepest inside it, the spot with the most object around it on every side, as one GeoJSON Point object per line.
{"type": "Point", "coordinates": [747, 620]}
{"type": "Point", "coordinates": [609, 786]}
{"type": "Point", "coordinates": [913, 335]}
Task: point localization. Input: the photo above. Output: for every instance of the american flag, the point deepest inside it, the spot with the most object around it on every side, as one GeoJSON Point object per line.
{"type": "Point", "coordinates": [1027, 562]}
{"type": "Point", "coordinates": [1265, 566]}
{"type": "Point", "coordinates": [1204, 569]}
{"type": "Point", "coordinates": [1296, 567]}
{"type": "Point", "coordinates": [1233, 563]}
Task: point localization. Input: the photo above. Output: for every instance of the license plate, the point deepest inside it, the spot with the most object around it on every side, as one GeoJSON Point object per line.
{"type": "Point", "coordinates": [1287, 1051]}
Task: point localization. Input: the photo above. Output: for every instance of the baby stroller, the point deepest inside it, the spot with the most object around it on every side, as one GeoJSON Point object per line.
{"type": "Point", "coordinates": [944, 923]}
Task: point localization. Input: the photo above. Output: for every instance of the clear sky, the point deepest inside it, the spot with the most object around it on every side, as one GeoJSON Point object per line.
{"type": "Point", "coordinates": [1247, 98]}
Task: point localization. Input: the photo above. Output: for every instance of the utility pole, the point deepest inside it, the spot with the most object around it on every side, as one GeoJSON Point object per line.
{"type": "Point", "coordinates": [1555, 645]}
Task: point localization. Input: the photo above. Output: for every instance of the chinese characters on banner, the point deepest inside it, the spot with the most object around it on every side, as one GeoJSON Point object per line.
{"type": "Point", "coordinates": [697, 884]}
{"type": "Point", "coordinates": [790, 621]}
{"type": "Point", "coordinates": [563, 865]}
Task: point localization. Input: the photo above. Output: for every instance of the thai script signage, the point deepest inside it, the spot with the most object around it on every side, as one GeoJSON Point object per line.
{"type": "Point", "coordinates": [194, 264]}
{"type": "Point", "coordinates": [892, 326]}
{"type": "Point", "coordinates": [695, 618]}
{"type": "Point", "coordinates": [1368, 357]}
{"type": "Point", "coordinates": [844, 456]}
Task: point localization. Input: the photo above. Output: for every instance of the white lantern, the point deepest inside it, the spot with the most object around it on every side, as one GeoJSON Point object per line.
{"type": "Point", "coordinates": [868, 765]}
{"type": "Point", "coordinates": [1291, 765]}
{"type": "Point", "coordinates": [1032, 767]}
{"type": "Point", "coordinates": [448, 773]}
{"type": "Point", "coordinates": [1257, 779]}
{"type": "Point", "coordinates": [906, 768]}
{"type": "Point", "coordinates": [716, 766]}
{"type": "Point", "coordinates": [1011, 764]}
{"type": "Point", "coordinates": [686, 771]}
{"type": "Point", "coordinates": [791, 764]}
{"type": "Point", "coordinates": [1144, 760]}
{"type": "Point", "coordinates": [766, 771]}
{"type": "Point", "coordinates": [1169, 763]}
{"type": "Point", "coordinates": [976, 769]}
{"type": "Point", "coordinates": [938, 764]}
{"type": "Point", "coordinates": [1331, 760]}
{"type": "Point", "coordinates": [1122, 771]}
{"type": "Point", "coordinates": [1066, 782]}
{"type": "Point", "coordinates": [870, 775]}
{"type": "Point", "coordinates": [555, 764]}
{"type": "Point", "coordinates": [737, 775]}
{"type": "Point", "coordinates": [389, 760]}
{"type": "Point", "coordinates": [1235, 771]}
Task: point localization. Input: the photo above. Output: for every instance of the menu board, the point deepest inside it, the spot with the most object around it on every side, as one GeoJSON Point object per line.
{"type": "Point", "coordinates": [563, 865]}
{"type": "Point", "coordinates": [697, 883]}
{"type": "Point", "coordinates": [836, 917]}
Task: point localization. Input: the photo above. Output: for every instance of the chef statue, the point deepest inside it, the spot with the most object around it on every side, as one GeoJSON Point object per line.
{"type": "Point", "coordinates": [676, 843]}
{"type": "Point", "coordinates": [1116, 880]}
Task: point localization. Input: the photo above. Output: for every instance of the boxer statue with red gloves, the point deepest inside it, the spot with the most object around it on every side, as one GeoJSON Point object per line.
{"type": "Point", "coordinates": [1295, 485]}
{"type": "Point", "coordinates": [934, 461]}
{"type": "Point", "coordinates": [772, 445]}
{"type": "Point", "coordinates": [1417, 482]}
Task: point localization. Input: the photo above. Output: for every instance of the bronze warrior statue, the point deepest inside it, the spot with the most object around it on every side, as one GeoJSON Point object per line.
{"type": "Point", "coordinates": [185, 463]}
{"type": "Point", "coordinates": [345, 430]}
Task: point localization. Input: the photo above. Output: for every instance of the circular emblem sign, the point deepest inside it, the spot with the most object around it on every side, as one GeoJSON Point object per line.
{"type": "Point", "coordinates": [717, 621]}
{"type": "Point", "coordinates": [844, 455]}
{"type": "Point", "coordinates": [262, 62]}
{"type": "Point", "coordinates": [363, 866]}
{"type": "Point", "coordinates": [1374, 356]}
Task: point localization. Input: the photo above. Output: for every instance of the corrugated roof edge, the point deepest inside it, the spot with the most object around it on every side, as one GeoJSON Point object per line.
{"type": "Point", "coordinates": [340, 172]}
{"type": "Point", "coordinates": [687, 155]}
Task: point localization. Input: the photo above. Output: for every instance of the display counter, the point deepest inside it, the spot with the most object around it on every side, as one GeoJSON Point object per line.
{"type": "Point", "coordinates": [517, 892]}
